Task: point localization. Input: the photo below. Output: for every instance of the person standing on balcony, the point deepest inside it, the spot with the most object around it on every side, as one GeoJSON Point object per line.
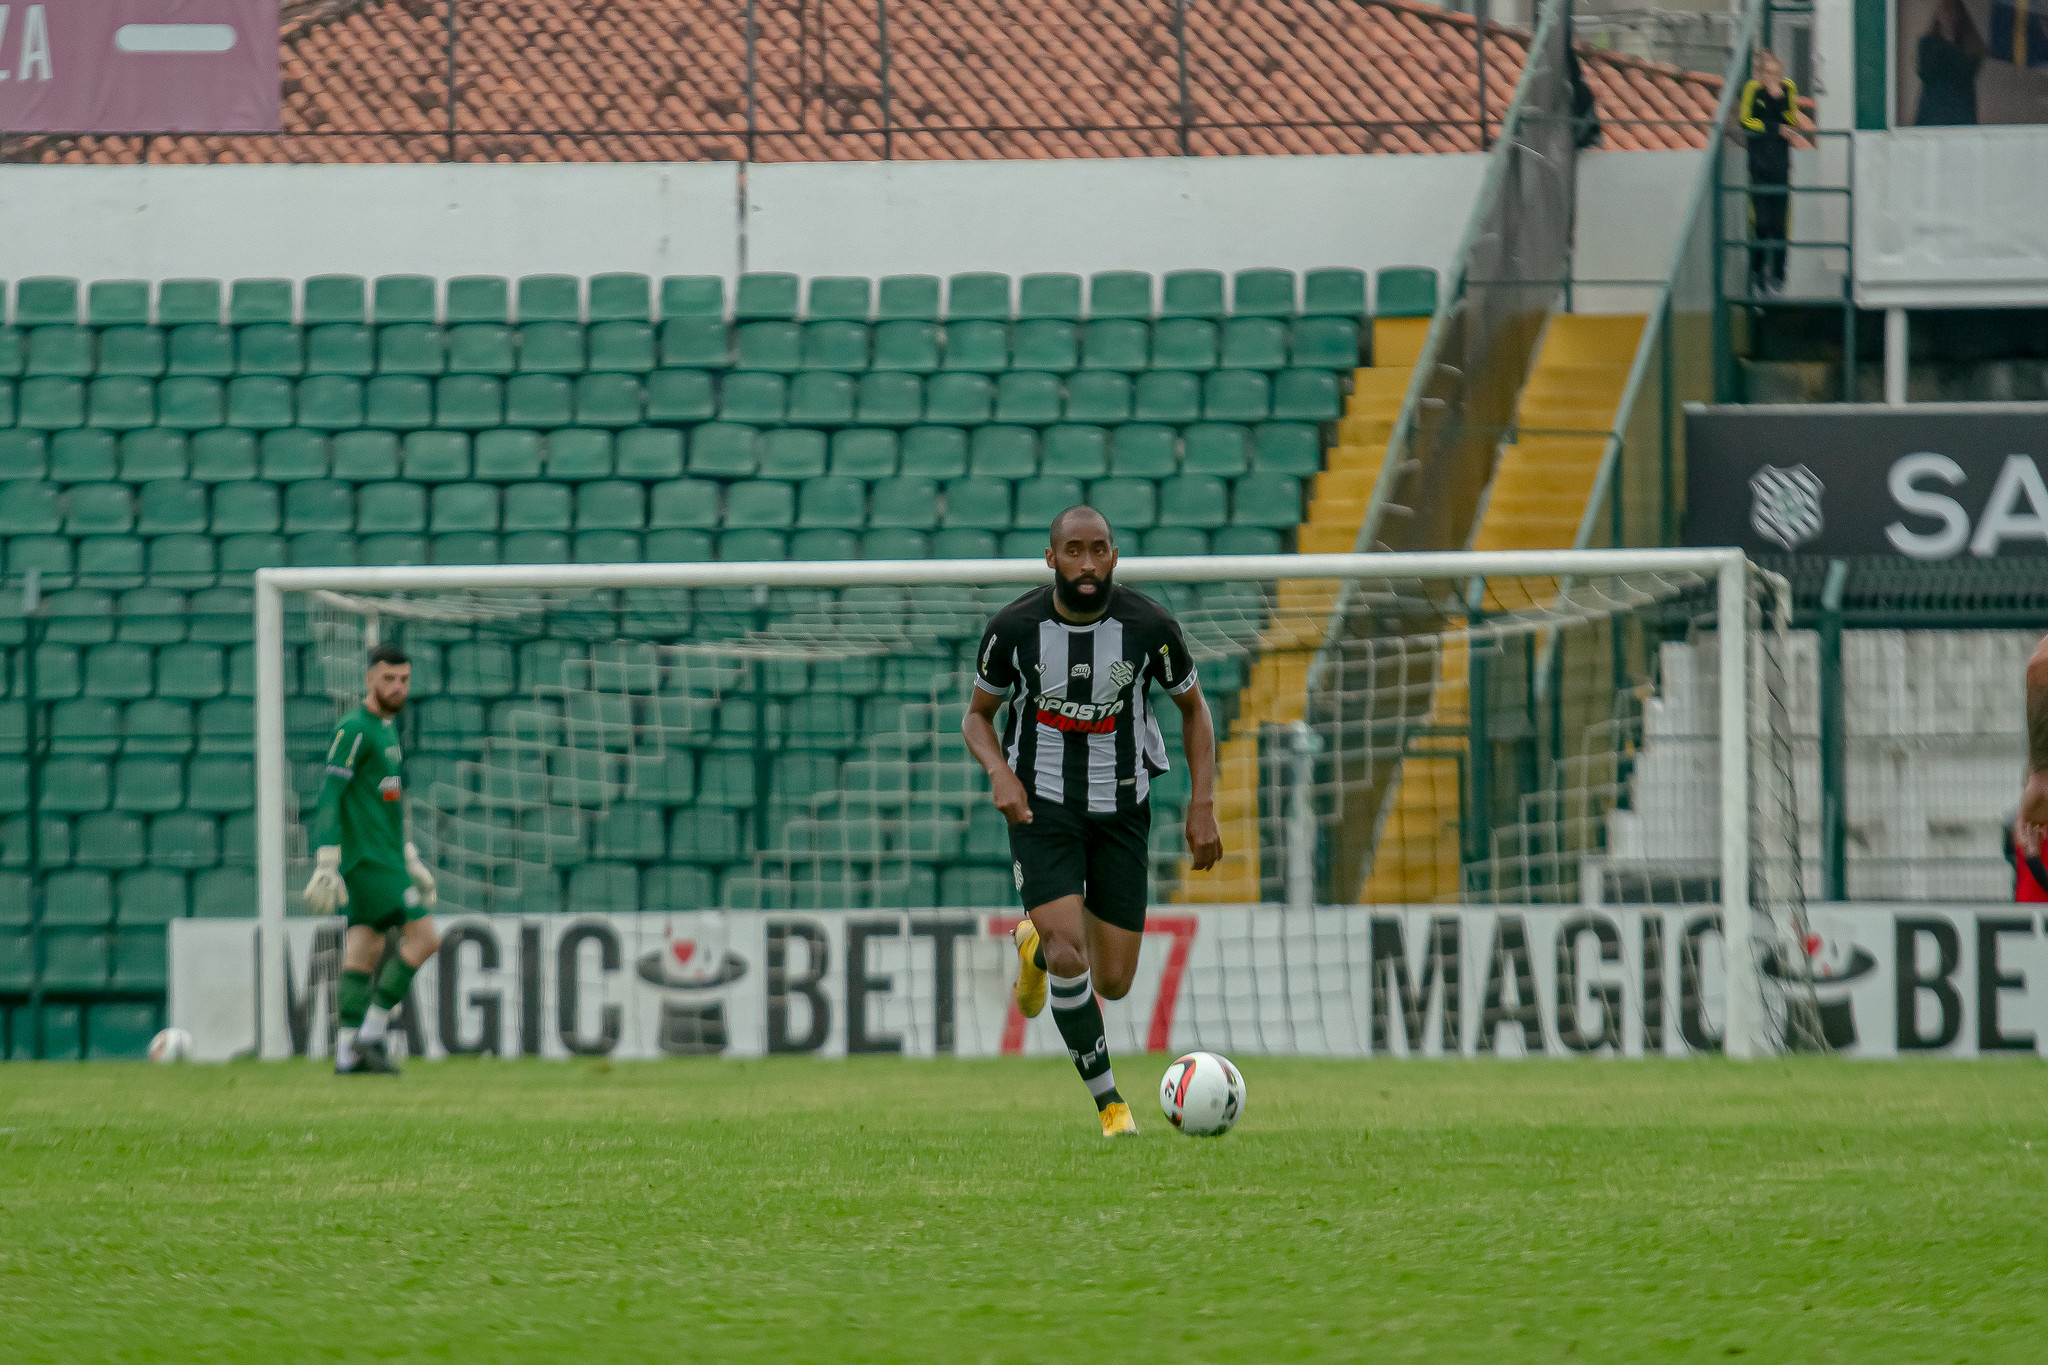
{"type": "Point", "coordinates": [1769, 115]}
{"type": "Point", "coordinates": [1947, 61]}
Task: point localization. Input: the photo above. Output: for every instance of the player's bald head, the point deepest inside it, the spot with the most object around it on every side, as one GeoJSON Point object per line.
{"type": "Point", "coordinates": [1081, 519]}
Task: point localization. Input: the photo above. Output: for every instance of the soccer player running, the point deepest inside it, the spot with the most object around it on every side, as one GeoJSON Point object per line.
{"type": "Point", "coordinates": [1072, 774]}
{"type": "Point", "coordinates": [364, 864]}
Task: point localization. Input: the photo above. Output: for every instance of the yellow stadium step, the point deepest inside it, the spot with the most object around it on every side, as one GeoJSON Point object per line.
{"type": "Point", "coordinates": [1397, 342]}
{"type": "Point", "coordinates": [1415, 860]}
{"type": "Point", "coordinates": [1236, 877]}
{"type": "Point", "coordinates": [1378, 392]}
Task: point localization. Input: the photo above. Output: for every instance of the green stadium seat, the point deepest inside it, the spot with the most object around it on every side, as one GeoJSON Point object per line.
{"type": "Point", "coordinates": [699, 835]}
{"type": "Point", "coordinates": [1098, 397]}
{"type": "Point", "coordinates": [503, 456]}
{"type": "Point", "coordinates": [275, 349]}
{"type": "Point", "coordinates": [683, 503]}
{"type": "Point", "coordinates": [1049, 296]}
{"type": "Point", "coordinates": [550, 298]}
{"type": "Point", "coordinates": [184, 560]}
{"type": "Point", "coordinates": [398, 402]}
{"type": "Point", "coordinates": [1266, 500]}
{"type": "Point", "coordinates": [819, 398]}
{"type": "Point", "coordinates": [621, 348]}
{"type": "Point", "coordinates": [50, 404]}
{"type": "Point", "coordinates": [678, 889]}
{"type": "Point", "coordinates": [221, 615]}
{"type": "Point", "coordinates": [1143, 451]}
{"type": "Point", "coordinates": [145, 456]}
{"type": "Point", "coordinates": [388, 508]}
{"type": "Point", "coordinates": [73, 962]}
{"type": "Point", "coordinates": [1024, 396]}
{"type": "Point", "coordinates": [466, 547]}
{"type": "Point", "coordinates": [648, 453]}
{"type": "Point", "coordinates": [226, 726]}
{"type": "Point", "coordinates": [66, 351]}
{"type": "Point", "coordinates": [1184, 344]}
{"type": "Point", "coordinates": [292, 454]}
{"type": "Point", "coordinates": [482, 348]}
{"type": "Point", "coordinates": [375, 550]}
{"type": "Point", "coordinates": [841, 346]}
{"type": "Point", "coordinates": [74, 786]}
{"type": "Point", "coordinates": [1307, 395]}
{"type": "Point", "coordinates": [248, 553]}
{"type": "Point", "coordinates": [98, 509]}
{"type": "Point", "coordinates": [1120, 294]}
{"type": "Point", "coordinates": [1236, 396]}
{"type": "Point", "coordinates": [179, 302]}
{"type": "Point", "coordinates": [539, 400]}
{"type": "Point", "coordinates": [678, 547]}
{"type": "Point", "coordinates": [245, 507]}
{"type": "Point", "coordinates": [792, 453]}
{"type": "Point", "coordinates": [864, 454]}
{"type": "Point", "coordinates": [1041, 499]}
{"type": "Point", "coordinates": [202, 350]}
{"type": "Point", "coordinates": [693, 296]}
{"type": "Point", "coordinates": [823, 544]}
{"type": "Point", "coordinates": [839, 298]}
{"type": "Point", "coordinates": [981, 346]}
{"type": "Point", "coordinates": [695, 343]}
{"type": "Point", "coordinates": [117, 303]}
{"type": "Point", "coordinates": [224, 893]}
{"type": "Point", "coordinates": [1215, 448]}
{"type": "Point", "coordinates": [26, 455]}
{"type": "Point", "coordinates": [189, 672]}
{"type": "Point", "coordinates": [1245, 540]}
{"type": "Point", "coordinates": [318, 505]}
{"type": "Point", "coordinates": [680, 396]}
{"type": "Point", "coordinates": [536, 547]}
{"type": "Point", "coordinates": [260, 403]}
{"type": "Point", "coordinates": [330, 402]}
{"type": "Point", "coordinates": [1130, 505]}
{"type": "Point", "coordinates": [935, 452]}
{"type": "Point", "coordinates": [85, 725]}
{"type": "Point", "coordinates": [323, 550]}
{"type": "Point", "coordinates": [112, 561]}
{"type": "Point", "coordinates": [1192, 294]}
{"type": "Point", "coordinates": [1263, 293]}
{"type": "Point", "coordinates": [398, 298]}
{"type": "Point", "coordinates": [1198, 500]}
{"type": "Point", "coordinates": [463, 507]}
{"type": "Point", "coordinates": [1333, 291]}
{"type": "Point", "coordinates": [1167, 396]}
{"type": "Point", "coordinates": [1175, 540]}
{"type": "Point", "coordinates": [725, 781]}
{"type": "Point", "coordinates": [49, 555]}
{"type": "Point", "coordinates": [45, 301]}
{"type": "Point", "coordinates": [412, 348]}
{"type": "Point", "coordinates": [977, 504]}
{"type": "Point", "coordinates": [766, 294]}
{"type": "Point", "coordinates": [30, 508]}
{"type": "Point", "coordinates": [138, 352]}
{"type": "Point", "coordinates": [79, 616]}
{"type": "Point", "coordinates": [895, 544]}
{"type": "Point", "coordinates": [258, 301]}
{"type": "Point", "coordinates": [469, 402]}
{"type": "Point", "coordinates": [436, 457]}
{"type": "Point", "coordinates": [614, 505]}
{"type": "Point", "coordinates": [180, 839]}
{"type": "Point", "coordinates": [906, 345]}
{"type": "Point", "coordinates": [17, 967]}
{"type": "Point", "coordinates": [760, 505]}
{"type": "Point", "coordinates": [831, 503]}
{"type": "Point", "coordinates": [979, 295]}
{"type": "Point", "coordinates": [889, 399]}
{"type": "Point", "coordinates": [959, 399]}
{"type": "Point", "coordinates": [151, 616]}
{"type": "Point", "coordinates": [1047, 344]}
{"type": "Point", "coordinates": [912, 298]}
{"type": "Point", "coordinates": [576, 453]}
{"type": "Point", "coordinates": [629, 831]}
{"type": "Point", "coordinates": [341, 348]}
{"type": "Point", "coordinates": [1003, 452]}
{"type": "Point", "coordinates": [619, 297]}
{"type": "Point", "coordinates": [224, 456]}
{"type": "Point", "coordinates": [908, 503]}
{"type": "Point", "coordinates": [724, 450]}
{"type": "Point", "coordinates": [1076, 451]}
{"type": "Point", "coordinates": [771, 347]}
{"type": "Point", "coordinates": [85, 456]}
{"type": "Point", "coordinates": [121, 1030]}
{"type": "Point", "coordinates": [1116, 344]}
{"type": "Point", "coordinates": [759, 399]}
{"type": "Point", "coordinates": [551, 348]}
{"type": "Point", "coordinates": [1405, 291]}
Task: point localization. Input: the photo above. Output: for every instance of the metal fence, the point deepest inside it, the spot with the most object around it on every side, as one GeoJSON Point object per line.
{"type": "Point", "coordinates": [749, 80]}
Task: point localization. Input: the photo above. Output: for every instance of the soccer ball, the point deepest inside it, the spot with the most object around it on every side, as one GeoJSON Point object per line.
{"type": "Point", "coordinates": [171, 1045]}
{"type": "Point", "coordinates": [1202, 1094]}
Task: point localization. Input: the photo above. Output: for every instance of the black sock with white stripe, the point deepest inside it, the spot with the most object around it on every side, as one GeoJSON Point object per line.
{"type": "Point", "coordinates": [1079, 1017]}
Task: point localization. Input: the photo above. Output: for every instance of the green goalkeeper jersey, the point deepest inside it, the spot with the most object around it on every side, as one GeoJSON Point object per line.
{"type": "Point", "coordinates": [362, 801]}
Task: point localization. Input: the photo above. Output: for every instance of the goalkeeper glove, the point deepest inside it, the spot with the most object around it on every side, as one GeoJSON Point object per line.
{"type": "Point", "coordinates": [327, 891]}
{"type": "Point", "coordinates": [422, 879]}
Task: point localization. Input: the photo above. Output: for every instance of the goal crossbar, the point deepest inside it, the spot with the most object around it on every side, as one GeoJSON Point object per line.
{"type": "Point", "coordinates": [1728, 567]}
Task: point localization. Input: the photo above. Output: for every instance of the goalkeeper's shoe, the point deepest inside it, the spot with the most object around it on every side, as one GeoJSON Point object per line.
{"type": "Point", "coordinates": [1030, 976]}
{"type": "Point", "coordinates": [1117, 1120]}
{"type": "Point", "coordinates": [372, 1060]}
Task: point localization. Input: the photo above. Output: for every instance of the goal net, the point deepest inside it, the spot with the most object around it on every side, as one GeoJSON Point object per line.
{"type": "Point", "coordinates": [1559, 776]}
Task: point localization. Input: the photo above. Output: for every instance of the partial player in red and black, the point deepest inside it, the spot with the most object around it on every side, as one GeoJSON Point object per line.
{"type": "Point", "coordinates": [1072, 773]}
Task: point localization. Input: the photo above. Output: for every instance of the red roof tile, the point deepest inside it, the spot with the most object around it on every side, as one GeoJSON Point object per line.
{"type": "Point", "coordinates": [665, 80]}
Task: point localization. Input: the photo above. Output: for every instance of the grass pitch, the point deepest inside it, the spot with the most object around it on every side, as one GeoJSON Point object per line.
{"type": "Point", "coordinates": [881, 1210]}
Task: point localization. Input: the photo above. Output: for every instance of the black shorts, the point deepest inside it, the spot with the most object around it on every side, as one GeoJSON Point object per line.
{"type": "Point", "coordinates": [1101, 858]}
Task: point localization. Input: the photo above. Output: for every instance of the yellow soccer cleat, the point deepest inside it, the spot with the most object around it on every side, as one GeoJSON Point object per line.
{"type": "Point", "coordinates": [1030, 976]}
{"type": "Point", "coordinates": [1117, 1120]}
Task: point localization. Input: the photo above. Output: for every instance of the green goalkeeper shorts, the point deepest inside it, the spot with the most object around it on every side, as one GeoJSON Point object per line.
{"type": "Point", "coordinates": [381, 898]}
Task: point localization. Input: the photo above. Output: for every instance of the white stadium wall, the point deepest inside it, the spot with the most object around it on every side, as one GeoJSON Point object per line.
{"type": "Point", "coordinates": [165, 222]}
{"type": "Point", "coordinates": [1952, 217]}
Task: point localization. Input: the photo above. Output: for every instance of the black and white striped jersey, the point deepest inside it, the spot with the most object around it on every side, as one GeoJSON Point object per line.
{"type": "Point", "coordinates": [1081, 729]}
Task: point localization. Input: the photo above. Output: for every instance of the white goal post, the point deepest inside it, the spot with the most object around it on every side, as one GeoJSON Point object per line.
{"type": "Point", "coordinates": [1722, 577]}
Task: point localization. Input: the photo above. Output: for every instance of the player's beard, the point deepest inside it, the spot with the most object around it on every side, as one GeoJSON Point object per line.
{"type": "Point", "coordinates": [1082, 604]}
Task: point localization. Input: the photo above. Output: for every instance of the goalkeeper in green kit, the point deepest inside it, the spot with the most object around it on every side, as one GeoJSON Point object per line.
{"type": "Point", "coordinates": [363, 865]}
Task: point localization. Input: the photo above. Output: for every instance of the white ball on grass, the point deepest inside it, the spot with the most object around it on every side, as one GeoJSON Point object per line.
{"type": "Point", "coordinates": [1202, 1094]}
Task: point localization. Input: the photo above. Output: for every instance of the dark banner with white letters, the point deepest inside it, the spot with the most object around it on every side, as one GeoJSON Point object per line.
{"type": "Point", "coordinates": [1931, 481]}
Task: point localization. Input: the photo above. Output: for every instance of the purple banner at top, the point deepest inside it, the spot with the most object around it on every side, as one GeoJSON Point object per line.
{"type": "Point", "coordinates": [139, 66]}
